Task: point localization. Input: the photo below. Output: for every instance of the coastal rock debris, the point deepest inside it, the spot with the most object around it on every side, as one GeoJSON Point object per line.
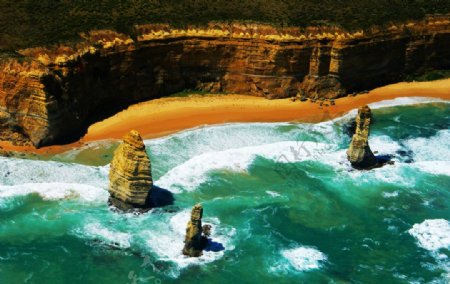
{"type": "Point", "coordinates": [359, 153]}
{"type": "Point", "coordinates": [130, 177]}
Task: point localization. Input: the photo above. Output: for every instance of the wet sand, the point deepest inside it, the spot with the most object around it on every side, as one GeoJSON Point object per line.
{"type": "Point", "coordinates": [164, 116]}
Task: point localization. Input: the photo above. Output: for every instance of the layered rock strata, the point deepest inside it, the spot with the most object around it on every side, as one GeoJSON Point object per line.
{"type": "Point", "coordinates": [51, 95]}
{"type": "Point", "coordinates": [359, 153]}
{"type": "Point", "coordinates": [195, 241]}
{"type": "Point", "coordinates": [130, 178]}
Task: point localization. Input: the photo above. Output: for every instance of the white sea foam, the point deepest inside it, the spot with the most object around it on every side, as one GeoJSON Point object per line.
{"type": "Point", "coordinates": [299, 259]}
{"type": "Point", "coordinates": [167, 242]}
{"type": "Point", "coordinates": [434, 148]}
{"type": "Point", "coordinates": [404, 101]}
{"type": "Point", "coordinates": [218, 138]}
{"type": "Point", "coordinates": [212, 139]}
{"type": "Point", "coordinates": [52, 180]}
{"type": "Point", "coordinates": [216, 132]}
{"type": "Point", "coordinates": [391, 174]}
{"type": "Point", "coordinates": [432, 234]}
{"type": "Point", "coordinates": [219, 151]}
{"type": "Point", "coordinates": [56, 191]}
{"type": "Point", "coordinates": [384, 145]}
{"type": "Point", "coordinates": [208, 147]}
{"type": "Point", "coordinates": [433, 167]}
{"type": "Point", "coordinates": [304, 258]}
{"type": "Point", "coordinates": [19, 171]}
{"type": "Point", "coordinates": [96, 231]}
{"type": "Point", "coordinates": [431, 155]}
{"type": "Point", "coordinates": [161, 235]}
{"type": "Point", "coordinates": [273, 193]}
{"type": "Point", "coordinates": [390, 194]}
{"type": "Point", "coordinates": [192, 173]}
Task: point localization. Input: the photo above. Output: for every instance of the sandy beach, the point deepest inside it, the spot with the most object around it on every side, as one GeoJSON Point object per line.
{"type": "Point", "coordinates": [164, 116]}
{"type": "Point", "coordinates": [167, 115]}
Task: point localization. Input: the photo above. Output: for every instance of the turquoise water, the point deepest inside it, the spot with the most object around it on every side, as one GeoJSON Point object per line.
{"type": "Point", "coordinates": [284, 204]}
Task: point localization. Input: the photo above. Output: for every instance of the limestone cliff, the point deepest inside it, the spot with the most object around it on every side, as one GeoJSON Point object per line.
{"type": "Point", "coordinates": [359, 153]}
{"type": "Point", "coordinates": [195, 242]}
{"type": "Point", "coordinates": [130, 178]}
{"type": "Point", "coordinates": [51, 95]}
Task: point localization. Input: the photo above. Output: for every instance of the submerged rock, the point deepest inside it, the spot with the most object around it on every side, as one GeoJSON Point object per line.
{"type": "Point", "coordinates": [195, 241]}
{"type": "Point", "coordinates": [359, 153]}
{"type": "Point", "coordinates": [130, 178]}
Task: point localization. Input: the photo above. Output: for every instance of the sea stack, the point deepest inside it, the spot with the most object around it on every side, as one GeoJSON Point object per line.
{"type": "Point", "coordinates": [130, 177]}
{"type": "Point", "coordinates": [359, 153]}
{"type": "Point", "coordinates": [195, 241]}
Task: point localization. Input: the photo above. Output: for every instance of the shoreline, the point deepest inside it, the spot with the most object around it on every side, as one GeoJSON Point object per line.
{"type": "Point", "coordinates": [168, 115]}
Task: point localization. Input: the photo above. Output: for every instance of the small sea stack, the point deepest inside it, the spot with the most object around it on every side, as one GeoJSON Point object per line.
{"type": "Point", "coordinates": [359, 153]}
{"type": "Point", "coordinates": [130, 177]}
{"type": "Point", "coordinates": [195, 241]}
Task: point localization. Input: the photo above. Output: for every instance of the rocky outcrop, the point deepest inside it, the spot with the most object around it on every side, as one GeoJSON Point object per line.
{"type": "Point", "coordinates": [195, 241]}
{"type": "Point", "coordinates": [359, 153]}
{"type": "Point", "coordinates": [51, 95]}
{"type": "Point", "coordinates": [130, 178]}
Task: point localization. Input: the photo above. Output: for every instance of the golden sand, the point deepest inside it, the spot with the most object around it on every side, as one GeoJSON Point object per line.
{"type": "Point", "coordinates": [163, 116]}
{"type": "Point", "coordinates": [160, 117]}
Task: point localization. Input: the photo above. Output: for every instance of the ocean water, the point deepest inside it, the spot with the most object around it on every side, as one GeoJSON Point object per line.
{"type": "Point", "coordinates": [284, 204]}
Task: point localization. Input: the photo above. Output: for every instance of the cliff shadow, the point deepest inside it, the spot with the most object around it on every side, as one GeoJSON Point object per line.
{"type": "Point", "coordinates": [349, 127]}
{"type": "Point", "coordinates": [384, 159]}
{"type": "Point", "coordinates": [159, 197]}
{"type": "Point", "coordinates": [213, 246]}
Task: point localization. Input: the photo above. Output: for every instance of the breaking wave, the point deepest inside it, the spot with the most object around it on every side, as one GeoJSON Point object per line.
{"type": "Point", "coordinates": [299, 259]}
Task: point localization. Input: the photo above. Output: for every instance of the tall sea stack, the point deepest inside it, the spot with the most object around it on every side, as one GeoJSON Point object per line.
{"type": "Point", "coordinates": [359, 153]}
{"type": "Point", "coordinates": [195, 241]}
{"type": "Point", "coordinates": [130, 178]}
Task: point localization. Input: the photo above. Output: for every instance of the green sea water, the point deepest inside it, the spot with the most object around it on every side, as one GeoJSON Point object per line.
{"type": "Point", "coordinates": [284, 204]}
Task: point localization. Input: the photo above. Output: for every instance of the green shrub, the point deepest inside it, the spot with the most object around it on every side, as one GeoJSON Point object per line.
{"type": "Point", "coordinates": [430, 75]}
{"type": "Point", "coordinates": [25, 23]}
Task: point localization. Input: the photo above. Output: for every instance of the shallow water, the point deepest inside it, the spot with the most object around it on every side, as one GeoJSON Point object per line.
{"type": "Point", "coordinates": [283, 201]}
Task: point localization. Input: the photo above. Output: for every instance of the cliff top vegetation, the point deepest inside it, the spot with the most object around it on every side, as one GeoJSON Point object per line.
{"type": "Point", "coordinates": [25, 23]}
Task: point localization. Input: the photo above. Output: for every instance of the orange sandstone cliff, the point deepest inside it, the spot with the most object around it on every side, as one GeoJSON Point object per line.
{"type": "Point", "coordinates": [195, 241]}
{"type": "Point", "coordinates": [359, 153]}
{"type": "Point", "coordinates": [51, 95]}
{"type": "Point", "coordinates": [130, 177]}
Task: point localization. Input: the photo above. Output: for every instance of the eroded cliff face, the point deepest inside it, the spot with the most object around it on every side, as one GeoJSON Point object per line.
{"type": "Point", "coordinates": [51, 95]}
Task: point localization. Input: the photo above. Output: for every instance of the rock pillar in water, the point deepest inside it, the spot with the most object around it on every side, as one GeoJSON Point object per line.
{"type": "Point", "coordinates": [130, 178]}
{"type": "Point", "coordinates": [195, 242]}
{"type": "Point", "coordinates": [359, 153]}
